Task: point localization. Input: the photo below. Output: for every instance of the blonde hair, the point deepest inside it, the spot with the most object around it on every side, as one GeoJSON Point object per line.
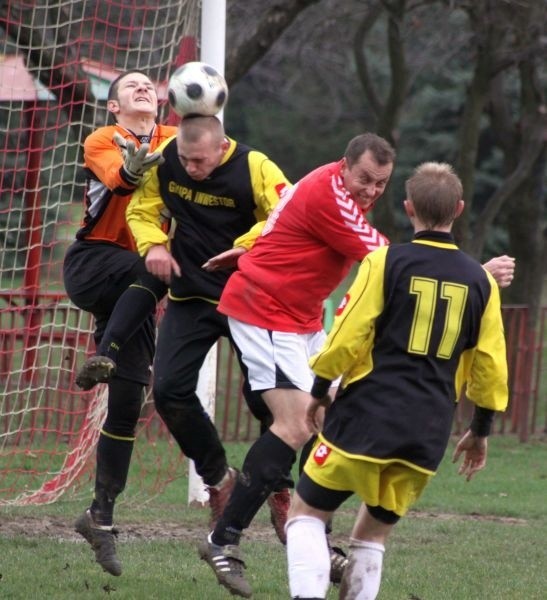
{"type": "Point", "coordinates": [192, 129]}
{"type": "Point", "coordinates": [435, 191]}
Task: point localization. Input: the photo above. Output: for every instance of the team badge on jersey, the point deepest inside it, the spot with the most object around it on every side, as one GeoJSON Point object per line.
{"type": "Point", "coordinates": [321, 454]}
{"type": "Point", "coordinates": [342, 305]}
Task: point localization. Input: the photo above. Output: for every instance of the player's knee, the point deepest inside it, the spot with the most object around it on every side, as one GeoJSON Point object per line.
{"type": "Point", "coordinates": [294, 434]}
{"type": "Point", "coordinates": [172, 388]}
{"type": "Point", "coordinates": [124, 407]}
{"type": "Point", "coordinates": [175, 409]}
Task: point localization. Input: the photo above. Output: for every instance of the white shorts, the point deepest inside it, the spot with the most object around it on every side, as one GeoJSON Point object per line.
{"type": "Point", "coordinates": [276, 359]}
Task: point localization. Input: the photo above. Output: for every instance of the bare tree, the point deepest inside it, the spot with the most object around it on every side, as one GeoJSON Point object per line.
{"type": "Point", "coordinates": [274, 20]}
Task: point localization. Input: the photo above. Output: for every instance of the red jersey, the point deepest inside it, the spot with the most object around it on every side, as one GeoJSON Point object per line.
{"type": "Point", "coordinates": [309, 243]}
{"type": "Point", "coordinates": [108, 192]}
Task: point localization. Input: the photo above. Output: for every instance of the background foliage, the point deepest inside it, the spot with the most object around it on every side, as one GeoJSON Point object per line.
{"type": "Point", "coordinates": [458, 81]}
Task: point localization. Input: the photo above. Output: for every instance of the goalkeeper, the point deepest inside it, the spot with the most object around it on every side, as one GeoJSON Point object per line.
{"type": "Point", "coordinates": [98, 267]}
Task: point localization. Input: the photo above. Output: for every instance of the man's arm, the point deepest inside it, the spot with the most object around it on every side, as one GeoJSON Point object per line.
{"type": "Point", "coordinates": [161, 264]}
{"type": "Point", "coordinates": [144, 214]}
{"type": "Point", "coordinates": [224, 260]}
{"type": "Point", "coordinates": [268, 182]}
{"type": "Point", "coordinates": [136, 160]}
{"type": "Point", "coordinates": [474, 450]}
{"type": "Point", "coordinates": [320, 400]}
{"type": "Point", "coordinates": [474, 443]}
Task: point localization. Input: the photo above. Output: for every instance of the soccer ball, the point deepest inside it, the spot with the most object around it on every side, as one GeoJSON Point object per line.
{"type": "Point", "coordinates": [196, 88]}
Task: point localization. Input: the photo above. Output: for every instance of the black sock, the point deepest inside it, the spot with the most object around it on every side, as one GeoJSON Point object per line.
{"type": "Point", "coordinates": [266, 464]}
{"type": "Point", "coordinates": [130, 312]}
{"type": "Point", "coordinates": [113, 458]}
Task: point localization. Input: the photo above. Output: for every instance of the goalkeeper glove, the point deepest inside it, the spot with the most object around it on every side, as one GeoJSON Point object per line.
{"type": "Point", "coordinates": [136, 160]}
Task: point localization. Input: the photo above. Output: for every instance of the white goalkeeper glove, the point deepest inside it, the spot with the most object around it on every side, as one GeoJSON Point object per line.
{"type": "Point", "coordinates": [136, 161]}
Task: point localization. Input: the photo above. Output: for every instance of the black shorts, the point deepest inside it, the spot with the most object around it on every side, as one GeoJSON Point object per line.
{"type": "Point", "coordinates": [188, 331]}
{"type": "Point", "coordinates": [318, 496]}
{"type": "Point", "coordinates": [95, 275]}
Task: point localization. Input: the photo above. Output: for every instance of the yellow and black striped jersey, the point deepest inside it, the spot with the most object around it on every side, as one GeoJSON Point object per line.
{"type": "Point", "coordinates": [421, 320]}
{"type": "Point", "coordinates": [210, 216]}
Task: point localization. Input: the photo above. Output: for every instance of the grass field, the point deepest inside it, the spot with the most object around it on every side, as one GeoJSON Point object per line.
{"type": "Point", "coordinates": [482, 540]}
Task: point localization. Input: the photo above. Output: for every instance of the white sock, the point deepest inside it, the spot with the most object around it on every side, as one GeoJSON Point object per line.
{"type": "Point", "coordinates": [364, 572]}
{"type": "Point", "coordinates": [308, 557]}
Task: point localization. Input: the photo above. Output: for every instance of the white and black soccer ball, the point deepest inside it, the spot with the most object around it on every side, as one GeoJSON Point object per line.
{"type": "Point", "coordinates": [196, 88]}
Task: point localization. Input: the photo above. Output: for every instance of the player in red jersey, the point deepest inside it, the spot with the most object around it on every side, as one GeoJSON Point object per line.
{"type": "Point", "coordinates": [274, 302]}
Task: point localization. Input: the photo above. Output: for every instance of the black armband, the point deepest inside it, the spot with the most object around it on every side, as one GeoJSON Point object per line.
{"type": "Point", "coordinates": [481, 423]}
{"type": "Point", "coordinates": [320, 387]}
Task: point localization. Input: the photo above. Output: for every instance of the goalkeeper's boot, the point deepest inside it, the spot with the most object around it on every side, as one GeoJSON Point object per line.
{"type": "Point", "coordinates": [338, 563]}
{"type": "Point", "coordinates": [101, 539]}
{"type": "Point", "coordinates": [220, 494]}
{"type": "Point", "coordinates": [228, 566]}
{"type": "Point", "coordinates": [97, 369]}
{"type": "Point", "coordinates": [279, 503]}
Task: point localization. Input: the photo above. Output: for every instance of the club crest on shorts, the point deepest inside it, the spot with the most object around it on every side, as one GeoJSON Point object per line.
{"type": "Point", "coordinates": [321, 454]}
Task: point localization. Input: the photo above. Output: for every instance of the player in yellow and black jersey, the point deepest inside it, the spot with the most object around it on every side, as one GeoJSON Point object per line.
{"type": "Point", "coordinates": [213, 198]}
{"type": "Point", "coordinates": [421, 320]}
{"type": "Point", "coordinates": [218, 193]}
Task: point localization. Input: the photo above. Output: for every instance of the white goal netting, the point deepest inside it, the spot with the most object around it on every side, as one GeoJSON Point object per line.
{"type": "Point", "coordinates": [57, 60]}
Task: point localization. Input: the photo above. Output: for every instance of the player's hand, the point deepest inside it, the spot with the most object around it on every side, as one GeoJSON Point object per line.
{"type": "Point", "coordinates": [315, 413]}
{"type": "Point", "coordinates": [120, 141]}
{"type": "Point", "coordinates": [474, 451]}
{"type": "Point", "coordinates": [161, 264]}
{"type": "Point", "coordinates": [136, 160]}
{"type": "Point", "coordinates": [224, 260]}
{"type": "Point", "coordinates": [502, 269]}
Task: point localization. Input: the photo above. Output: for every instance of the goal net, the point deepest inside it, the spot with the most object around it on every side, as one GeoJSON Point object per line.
{"type": "Point", "coordinates": [57, 60]}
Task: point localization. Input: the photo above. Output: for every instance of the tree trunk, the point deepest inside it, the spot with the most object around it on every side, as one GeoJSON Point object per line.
{"type": "Point", "coordinates": [277, 17]}
{"type": "Point", "coordinates": [387, 112]}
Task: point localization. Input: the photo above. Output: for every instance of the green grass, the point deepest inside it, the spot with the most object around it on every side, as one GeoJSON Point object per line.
{"type": "Point", "coordinates": [478, 540]}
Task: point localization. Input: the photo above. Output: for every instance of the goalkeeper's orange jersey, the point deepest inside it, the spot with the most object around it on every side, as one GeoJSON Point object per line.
{"type": "Point", "coordinates": [108, 192]}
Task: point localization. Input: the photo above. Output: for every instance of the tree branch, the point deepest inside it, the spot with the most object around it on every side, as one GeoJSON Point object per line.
{"type": "Point", "coordinates": [275, 21]}
{"type": "Point", "coordinates": [361, 62]}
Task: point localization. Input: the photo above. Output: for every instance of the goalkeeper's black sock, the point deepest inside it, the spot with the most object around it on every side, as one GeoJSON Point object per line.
{"type": "Point", "coordinates": [113, 458]}
{"type": "Point", "coordinates": [267, 462]}
{"type": "Point", "coordinates": [130, 312]}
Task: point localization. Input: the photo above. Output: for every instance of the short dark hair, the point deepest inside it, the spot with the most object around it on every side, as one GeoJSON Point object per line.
{"type": "Point", "coordinates": [435, 190]}
{"type": "Point", "coordinates": [113, 89]}
{"type": "Point", "coordinates": [381, 149]}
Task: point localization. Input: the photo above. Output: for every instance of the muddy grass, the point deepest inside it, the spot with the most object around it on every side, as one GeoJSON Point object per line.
{"type": "Point", "coordinates": [62, 529]}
